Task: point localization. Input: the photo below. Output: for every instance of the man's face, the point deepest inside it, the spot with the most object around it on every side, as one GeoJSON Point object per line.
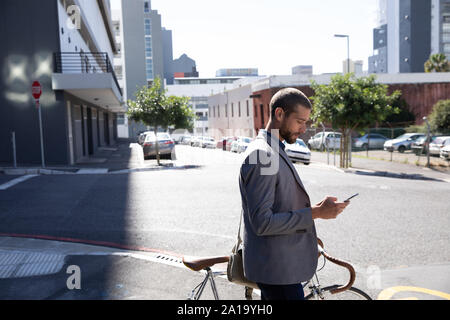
{"type": "Point", "coordinates": [293, 126]}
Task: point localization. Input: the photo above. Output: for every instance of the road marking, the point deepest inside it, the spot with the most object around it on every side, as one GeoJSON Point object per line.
{"type": "Point", "coordinates": [16, 181]}
{"type": "Point", "coordinates": [389, 292]}
{"type": "Point", "coordinates": [93, 171]}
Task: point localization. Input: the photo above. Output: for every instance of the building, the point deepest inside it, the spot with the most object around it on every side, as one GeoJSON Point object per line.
{"type": "Point", "coordinates": [143, 50]}
{"type": "Point", "coordinates": [245, 108]}
{"type": "Point", "coordinates": [303, 69]}
{"type": "Point", "coordinates": [119, 68]}
{"type": "Point", "coordinates": [237, 72]}
{"type": "Point", "coordinates": [409, 32]}
{"type": "Point", "coordinates": [68, 46]}
{"type": "Point", "coordinates": [356, 67]}
{"type": "Point", "coordinates": [199, 90]}
{"type": "Point", "coordinates": [184, 67]}
{"type": "Point", "coordinates": [168, 55]}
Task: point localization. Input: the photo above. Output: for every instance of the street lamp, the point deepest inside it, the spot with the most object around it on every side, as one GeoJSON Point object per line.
{"type": "Point", "coordinates": [428, 141]}
{"type": "Point", "coordinates": [348, 48]}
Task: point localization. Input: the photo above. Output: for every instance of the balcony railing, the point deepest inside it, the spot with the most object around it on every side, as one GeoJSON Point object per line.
{"type": "Point", "coordinates": [84, 62]}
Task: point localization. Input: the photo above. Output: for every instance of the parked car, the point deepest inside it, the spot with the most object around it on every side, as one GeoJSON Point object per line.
{"type": "Point", "coordinates": [195, 141]}
{"type": "Point", "coordinates": [298, 151]}
{"type": "Point", "coordinates": [141, 137]}
{"type": "Point", "coordinates": [420, 145]}
{"type": "Point", "coordinates": [241, 144]}
{"type": "Point", "coordinates": [438, 144]}
{"type": "Point", "coordinates": [324, 140]}
{"type": "Point", "coordinates": [376, 141]}
{"type": "Point", "coordinates": [208, 142]}
{"type": "Point", "coordinates": [445, 153]}
{"type": "Point", "coordinates": [229, 142]}
{"type": "Point", "coordinates": [166, 145]}
{"type": "Point", "coordinates": [402, 143]}
{"type": "Point", "coordinates": [185, 139]}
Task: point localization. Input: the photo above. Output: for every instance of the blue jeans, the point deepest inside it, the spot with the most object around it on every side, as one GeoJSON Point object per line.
{"type": "Point", "coordinates": [281, 292]}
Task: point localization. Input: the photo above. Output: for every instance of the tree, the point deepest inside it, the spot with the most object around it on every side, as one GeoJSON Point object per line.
{"type": "Point", "coordinates": [440, 117]}
{"type": "Point", "coordinates": [350, 103]}
{"type": "Point", "coordinates": [437, 63]}
{"type": "Point", "coordinates": [155, 109]}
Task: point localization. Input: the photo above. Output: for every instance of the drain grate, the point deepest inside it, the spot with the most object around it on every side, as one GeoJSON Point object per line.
{"type": "Point", "coordinates": [19, 264]}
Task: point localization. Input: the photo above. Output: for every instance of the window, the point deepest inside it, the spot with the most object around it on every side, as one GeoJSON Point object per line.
{"type": "Point", "coordinates": [239, 106]}
{"type": "Point", "coordinates": [146, 7]}
{"type": "Point", "coordinates": [148, 27]}
{"type": "Point", "coordinates": [248, 110]}
{"type": "Point", "coordinates": [149, 68]}
{"type": "Point", "coordinates": [148, 47]}
{"type": "Point", "coordinates": [218, 111]}
{"type": "Point", "coordinates": [232, 110]}
{"type": "Point", "coordinates": [226, 110]}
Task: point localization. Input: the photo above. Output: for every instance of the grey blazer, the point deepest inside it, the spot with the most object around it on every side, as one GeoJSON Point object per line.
{"type": "Point", "coordinates": [280, 241]}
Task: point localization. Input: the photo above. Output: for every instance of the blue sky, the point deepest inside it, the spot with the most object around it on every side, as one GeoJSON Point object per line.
{"type": "Point", "coordinates": [271, 35]}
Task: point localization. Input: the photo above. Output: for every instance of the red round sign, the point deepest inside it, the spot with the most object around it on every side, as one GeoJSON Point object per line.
{"type": "Point", "coordinates": [36, 90]}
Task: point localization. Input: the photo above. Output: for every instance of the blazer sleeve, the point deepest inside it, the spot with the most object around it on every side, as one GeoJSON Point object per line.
{"type": "Point", "coordinates": [259, 192]}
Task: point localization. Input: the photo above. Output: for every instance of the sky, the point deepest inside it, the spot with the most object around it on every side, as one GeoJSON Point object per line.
{"type": "Point", "coordinates": [271, 35]}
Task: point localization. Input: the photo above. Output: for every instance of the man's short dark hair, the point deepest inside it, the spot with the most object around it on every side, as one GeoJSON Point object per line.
{"type": "Point", "coordinates": [288, 99]}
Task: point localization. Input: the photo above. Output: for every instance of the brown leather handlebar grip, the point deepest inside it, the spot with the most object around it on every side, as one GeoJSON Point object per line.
{"type": "Point", "coordinates": [346, 265]}
{"type": "Point", "coordinates": [341, 263]}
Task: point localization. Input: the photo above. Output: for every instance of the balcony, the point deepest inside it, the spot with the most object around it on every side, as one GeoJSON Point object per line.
{"type": "Point", "coordinates": [90, 77]}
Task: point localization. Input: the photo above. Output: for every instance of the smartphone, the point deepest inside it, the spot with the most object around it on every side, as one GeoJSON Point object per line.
{"type": "Point", "coordinates": [357, 194]}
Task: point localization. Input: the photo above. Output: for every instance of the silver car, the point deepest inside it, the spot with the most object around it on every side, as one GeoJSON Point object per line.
{"type": "Point", "coordinates": [376, 141]}
{"type": "Point", "coordinates": [208, 142]}
{"type": "Point", "coordinates": [438, 144]}
{"type": "Point", "coordinates": [325, 140]}
{"type": "Point", "coordinates": [402, 143]}
{"type": "Point", "coordinates": [165, 142]}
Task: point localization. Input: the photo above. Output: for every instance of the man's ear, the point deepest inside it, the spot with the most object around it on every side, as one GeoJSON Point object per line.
{"type": "Point", "coordinates": [279, 114]}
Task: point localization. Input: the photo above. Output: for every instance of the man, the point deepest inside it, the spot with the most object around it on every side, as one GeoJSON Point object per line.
{"type": "Point", "coordinates": [280, 241]}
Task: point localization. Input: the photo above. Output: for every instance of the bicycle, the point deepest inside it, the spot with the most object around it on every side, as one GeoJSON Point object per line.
{"type": "Point", "coordinates": [316, 292]}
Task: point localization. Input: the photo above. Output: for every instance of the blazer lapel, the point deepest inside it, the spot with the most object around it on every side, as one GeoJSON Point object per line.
{"type": "Point", "coordinates": [263, 135]}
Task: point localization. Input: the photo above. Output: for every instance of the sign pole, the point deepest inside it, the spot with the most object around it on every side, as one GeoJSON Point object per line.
{"type": "Point", "coordinates": [40, 130]}
{"type": "Point", "coordinates": [36, 91]}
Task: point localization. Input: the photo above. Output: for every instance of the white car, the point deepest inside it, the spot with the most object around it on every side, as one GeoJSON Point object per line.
{"type": "Point", "coordinates": [298, 151]}
{"type": "Point", "coordinates": [324, 140]}
{"type": "Point", "coordinates": [195, 141]}
{"type": "Point", "coordinates": [240, 145]}
{"type": "Point", "coordinates": [208, 142]}
{"type": "Point", "coordinates": [438, 144]}
{"type": "Point", "coordinates": [402, 143]}
{"type": "Point", "coordinates": [445, 153]}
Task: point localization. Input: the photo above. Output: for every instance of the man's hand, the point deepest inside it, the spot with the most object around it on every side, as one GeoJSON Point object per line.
{"type": "Point", "coordinates": [328, 208]}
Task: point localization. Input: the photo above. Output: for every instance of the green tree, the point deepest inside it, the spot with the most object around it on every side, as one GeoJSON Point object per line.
{"type": "Point", "coordinates": [155, 109]}
{"type": "Point", "coordinates": [350, 103]}
{"type": "Point", "coordinates": [440, 117]}
{"type": "Point", "coordinates": [437, 63]}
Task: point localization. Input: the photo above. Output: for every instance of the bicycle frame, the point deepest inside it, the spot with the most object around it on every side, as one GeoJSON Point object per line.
{"type": "Point", "coordinates": [314, 287]}
{"type": "Point", "coordinates": [197, 293]}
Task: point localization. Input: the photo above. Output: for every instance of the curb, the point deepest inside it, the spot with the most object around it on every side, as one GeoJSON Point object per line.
{"type": "Point", "coordinates": [84, 171]}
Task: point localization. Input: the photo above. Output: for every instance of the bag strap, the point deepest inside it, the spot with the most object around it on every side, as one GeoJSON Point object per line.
{"type": "Point", "coordinates": [239, 239]}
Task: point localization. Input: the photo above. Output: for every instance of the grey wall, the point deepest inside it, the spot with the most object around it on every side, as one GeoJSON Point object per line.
{"type": "Point", "coordinates": [29, 37]}
{"type": "Point", "coordinates": [168, 55]}
{"type": "Point", "coordinates": [183, 64]}
{"type": "Point", "coordinates": [415, 34]}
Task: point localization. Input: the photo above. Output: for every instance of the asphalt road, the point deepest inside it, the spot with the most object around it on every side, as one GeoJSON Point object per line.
{"type": "Point", "coordinates": [395, 232]}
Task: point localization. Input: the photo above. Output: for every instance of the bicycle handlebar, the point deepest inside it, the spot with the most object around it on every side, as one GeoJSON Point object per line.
{"type": "Point", "coordinates": [341, 263]}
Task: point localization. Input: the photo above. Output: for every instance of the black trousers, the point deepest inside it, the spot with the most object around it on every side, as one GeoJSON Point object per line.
{"type": "Point", "coordinates": [281, 292]}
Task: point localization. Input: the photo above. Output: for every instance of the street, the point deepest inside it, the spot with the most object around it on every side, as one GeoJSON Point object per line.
{"type": "Point", "coordinates": [395, 232]}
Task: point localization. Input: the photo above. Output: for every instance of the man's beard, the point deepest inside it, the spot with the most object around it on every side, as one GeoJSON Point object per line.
{"type": "Point", "coordinates": [290, 137]}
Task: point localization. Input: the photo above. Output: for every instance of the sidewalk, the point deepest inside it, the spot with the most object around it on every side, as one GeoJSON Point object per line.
{"type": "Point", "coordinates": [124, 156]}
{"type": "Point", "coordinates": [383, 168]}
